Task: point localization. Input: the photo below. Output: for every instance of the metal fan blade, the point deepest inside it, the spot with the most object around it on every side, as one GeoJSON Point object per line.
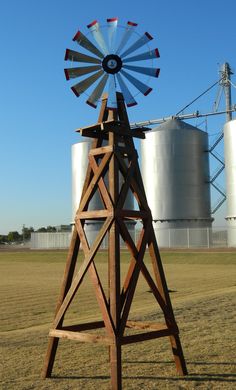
{"type": "Point", "coordinates": [72, 55]}
{"type": "Point", "coordinates": [112, 101]}
{"type": "Point", "coordinates": [96, 94]}
{"type": "Point", "coordinates": [112, 28]}
{"type": "Point", "coordinates": [129, 99]}
{"type": "Point", "coordinates": [136, 45]}
{"type": "Point", "coordinates": [153, 72]}
{"type": "Point", "coordinates": [83, 41]}
{"type": "Point", "coordinates": [126, 36]}
{"type": "Point", "coordinates": [148, 55]}
{"type": "Point", "coordinates": [143, 88]}
{"type": "Point", "coordinates": [96, 32]}
{"type": "Point", "coordinates": [85, 84]}
{"type": "Point", "coordinates": [72, 73]}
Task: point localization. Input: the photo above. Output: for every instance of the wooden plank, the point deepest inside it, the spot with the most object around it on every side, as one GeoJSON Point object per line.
{"type": "Point", "coordinates": [125, 186]}
{"type": "Point", "coordinates": [146, 336]}
{"type": "Point", "coordinates": [83, 337]}
{"type": "Point", "coordinates": [139, 195]}
{"type": "Point", "coordinates": [133, 280]}
{"type": "Point", "coordinates": [92, 185]}
{"type": "Point", "coordinates": [131, 246]}
{"type": "Point", "coordinates": [80, 274]}
{"type": "Point", "coordinates": [132, 214]}
{"type": "Point", "coordinates": [119, 130]}
{"type": "Point", "coordinates": [94, 214]}
{"type": "Point", "coordinates": [101, 298]}
{"type": "Point", "coordinates": [66, 282]}
{"type": "Point", "coordinates": [147, 325]}
{"type": "Point", "coordinates": [102, 301]}
{"type": "Point", "coordinates": [102, 150]}
{"type": "Point", "coordinates": [114, 267]}
{"type": "Point", "coordinates": [84, 326]}
{"type": "Point", "coordinates": [101, 185]}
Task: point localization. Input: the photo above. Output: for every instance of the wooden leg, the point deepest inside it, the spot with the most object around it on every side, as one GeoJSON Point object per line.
{"type": "Point", "coordinates": [50, 357]}
{"type": "Point", "coordinates": [178, 355]}
{"type": "Point", "coordinates": [67, 279]}
{"type": "Point", "coordinates": [115, 361]}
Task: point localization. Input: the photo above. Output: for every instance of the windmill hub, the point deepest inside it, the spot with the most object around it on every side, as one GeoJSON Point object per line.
{"type": "Point", "coordinates": [112, 63]}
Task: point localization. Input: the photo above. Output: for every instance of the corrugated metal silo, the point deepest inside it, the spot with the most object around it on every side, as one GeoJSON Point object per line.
{"type": "Point", "coordinates": [175, 169]}
{"type": "Point", "coordinates": [230, 171]}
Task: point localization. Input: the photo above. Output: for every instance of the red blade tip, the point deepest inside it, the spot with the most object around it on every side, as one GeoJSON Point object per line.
{"type": "Point", "coordinates": [112, 20]}
{"type": "Point", "coordinates": [76, 36]}
{"type": "Point", "coordinates": [157, 53]}
{"type": "Point", "coordinates": [148, 91]}
{"type": "Point", "coordinates": [66, 54]}
{"type": "Point", "coordinates": [132, 24]}
{"type": "Point", "coordinates": [92, 24]}
{"type": "Point", "coordinates": [132, 104]}
{"type": "Point", "coordinates": [149, 36]}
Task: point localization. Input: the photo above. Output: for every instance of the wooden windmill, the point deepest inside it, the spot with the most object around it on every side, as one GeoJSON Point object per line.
{"type": "Point", "coordinates": [113, 155]}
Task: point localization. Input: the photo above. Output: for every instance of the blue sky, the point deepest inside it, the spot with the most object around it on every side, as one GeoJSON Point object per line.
{"type": "Point", "coordinates": [39, 113]}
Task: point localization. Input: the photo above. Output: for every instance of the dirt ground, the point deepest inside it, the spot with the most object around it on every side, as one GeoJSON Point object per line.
{"type": "Point", "coordinates": [203, 296]}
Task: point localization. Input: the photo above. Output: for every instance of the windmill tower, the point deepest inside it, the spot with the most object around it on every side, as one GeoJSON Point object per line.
{"type": "Point", "coordinates": [113, 154]}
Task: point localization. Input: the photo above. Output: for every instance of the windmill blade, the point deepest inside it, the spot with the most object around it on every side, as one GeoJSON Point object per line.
{"type": "Point", "coordinates": [129, 99]}
{"type": "Point", "coordinates": [96, 32]}
{"type": "Point", "coordinates": [126, 36]}
{"type": "Point", "coordinates": [85, 84]}
{"type": "Point", "coordinates": [136, 45]}
{"type": "Point", "coordinates": [148, 55]}
{"type": "Point", "coordinates": [97, 92]}
{"type": "Point", "coordinates": [143, 88]}
{"type": "Point", "coordinates": [72, 55]}
{"type": "Point", "coordinates": [112, 28]}
{"type": "Point", "coordinates": [83, 41]}
{"type": "Point", "coordinates": [72, 73]}
{"type": "Point", "coordinates": [112, 101]}
{"type": "Point", "coordinates": [153, 72]}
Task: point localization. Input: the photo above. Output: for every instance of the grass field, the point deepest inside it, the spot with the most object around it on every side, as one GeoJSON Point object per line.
{"type": "Point", "coordinates": [202, 286]}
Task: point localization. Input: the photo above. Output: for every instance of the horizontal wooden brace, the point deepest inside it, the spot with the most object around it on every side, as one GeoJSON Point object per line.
{"type": "Point", "coordinates": [150, 326]}
{"type": "Point", "coordinates": [117, 127]}
{"type": "Point", "coordinates": [132, 214]}
{"type": "Point", "coordinates": [101, 150]}
{"type": "Point", "coordinates": [83, 337]}
{"type": "Point", "coordinates": [84, 326]}
{"type": "Point", "coordinates": [93, 134]}
{"type": "Point", "coordinates": [97, 126]}
{"type": "Point", "coordinates": [147, 336]}
{"type": "Point", "coordinates": [120, 130]}
{"type": "Point", "coordinates": [94, 214]}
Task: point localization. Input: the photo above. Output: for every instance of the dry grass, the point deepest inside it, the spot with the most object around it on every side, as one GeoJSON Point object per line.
{"type": "Point", "coordinates": [202, 288]}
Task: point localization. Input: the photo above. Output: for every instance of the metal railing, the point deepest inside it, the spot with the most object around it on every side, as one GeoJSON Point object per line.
{"type": "Point", "coordinates": [215, 237]}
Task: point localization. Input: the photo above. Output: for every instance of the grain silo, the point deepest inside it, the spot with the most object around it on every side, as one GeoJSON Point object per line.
{"type": "Point", "coordinates": [175, 169]}
{"type": "Point", "coordinates": [230, 171]}
{"type": "Point", "coordinates": [80, 152]}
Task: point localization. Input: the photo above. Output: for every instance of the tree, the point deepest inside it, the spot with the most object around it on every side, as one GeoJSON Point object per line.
{"type": "Point", "coordinates": [42, 230]}
{"type": "Point", "coordinates": [51, 229]}
{"type": "Point", "coordinates": [26, 232]}
{"type": "Point", "coordinates": [13, 236]}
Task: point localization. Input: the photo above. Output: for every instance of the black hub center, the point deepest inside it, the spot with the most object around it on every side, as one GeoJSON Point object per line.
{"type": "Point", "coordinates": [112, 64]}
